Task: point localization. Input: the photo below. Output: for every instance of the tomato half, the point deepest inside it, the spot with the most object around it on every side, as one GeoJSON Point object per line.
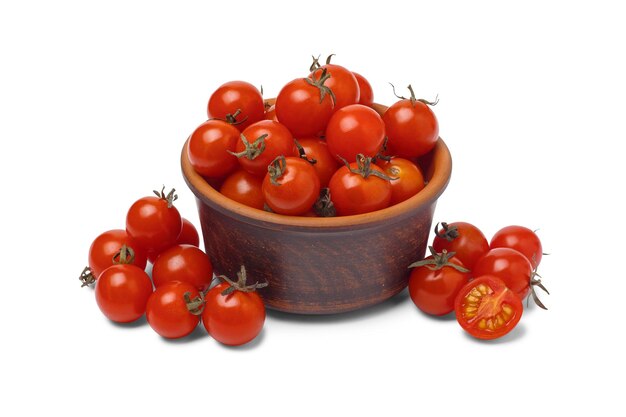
{"type": "Point", "coordinates": [261, 143]}
{"type": "Point", "coordinates": [510, 266]}
{"type": "Point", "coordinates": [464, 239]}
{"type": "Point", "coordinates": [291, 186]}
{"type": "Point", "coordinates": [237, 97]}
{"type": "Point", "coordinates": [122, 292]}
{"type": "Point", "coordinates": [173, 309]}
{"type": "Point", "coordinates": [244, 188]}
{"type": "Point", "coordinates": [355, 129]}
{"type": "Point", "coordinates": [185, 263]}
{"type": "Point", "coordinates": [522, 240]}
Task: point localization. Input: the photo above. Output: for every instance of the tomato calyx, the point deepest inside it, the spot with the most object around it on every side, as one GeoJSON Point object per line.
{"type": "Point", "coordinates": [87, 277]}
{"type": "Point", "coordinates": [324, 206]}
{"type": "Point", "coordinates": [319, 83]}
{"type": "Point", "coordinates": [316, 62]}
{"type": "Point", "coordinates": [449, 232]}
{"type": "Point", "coordinates": [276, 169]}
{"type": "Point", "coordinates": [302, 153]}
{"type": "Point", "coordinates": [194, 305]}
{"type": "Point", "coordinates": [364, 168]}
{"type": "Point", "coordinates": [170, 197]}
{"type": "Point", "coordinates": [413, 98]}
{"type": "Point", "coordinates": [124, 256]}
{"type": "Point", "coordinates": [534, 282]}
{"type": "Point", "coordinates": [438, 261]}
{"type": "Point", "coordinates": [381, 153]}
{"type": "Point", "coordinates": [252, 150]}
{"type": "Point", "coordinates": [240, 284]}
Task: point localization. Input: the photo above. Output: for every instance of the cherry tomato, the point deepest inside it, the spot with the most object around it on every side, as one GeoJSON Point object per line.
{"type": "Point", "coordinates": [233, 317]}
{"type": "Point", "coordinates": [356, 190]}
{"type": "Point", "coordinates": [510, 266]}
{"type": "Point", "coordinates": [355, 129]}
{"type": "Point", "coordinates": [265, 141]}
{"type": "Point", "coordinates": [342, 82]}
{"type": "Point", "coordinates": [407, 180]}
{"type": "Point", "coordinates": [487, 309]}
{"type": "Point", "coordinates": [435, 282]}
{"type": "Point", "coordinates": [325, 164]}
{"type": "Point", "coordinates": [154, 223]}
{"type": "Point", "coordinates": [188, 235]}
{"type": "Point", "coordinates": [106, 245]}
{"type": "Point", "coordinates": [244, 188]}
{"type": "Point", "coordinates": [366, 96]}
{"type": "Point", "coordinates": [237, 97]}
{"type": "Point", "coordinates": [464, 239]}
{"type": "Point", "coordinates": [210, 146]}
{"type": "Point", "coordinates": [522, 240]}
{"type": "Point", "coordinates": [122, 292]}
{"type": "Point", "coordinates": [412, 128]}
{"type": "Point", "coordinates": [305, 105]}
{"type": "Point", "coordinates": [173, 309]}
{"type": "Point", "coordinates": [291, 186]}
{"type": "Point", "coordinates": [183, 263]}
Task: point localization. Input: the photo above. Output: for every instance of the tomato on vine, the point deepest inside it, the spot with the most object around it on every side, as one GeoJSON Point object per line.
{"type": "Point", "coordinates": [355, 129]}
{"type": "Point", "coordinates": [290, 186]}
{"type": "Point", "coordinates": [237, 102]}
{"type": "Point", "coordinates": [183, 263]}
{"type": "Point", "coordinates": [464, 239]}
{"type": "Point", "coordinates": [173, 309]}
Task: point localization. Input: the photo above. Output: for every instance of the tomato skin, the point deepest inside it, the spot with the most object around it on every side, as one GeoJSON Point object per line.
{"type": "Point", "coordinates": [167, 311]}
{"type": "Point", "coordinates": [408, 181]}
{"type": "Point", "coordinates": [366, 94]}
{"type": "Point", "coordinates": [355, 129]}
{"type": "Point", "coordinates": [184, 263]}
{"type": "Point", "coordinates": [510, 266]}
{"type": "Point", "coordinates": [188, 235]}
{"type": "Point", "coordinates": [233, 319]}
{"type": "Point", "coordinates": [279, 141]}
{"type": "Point", "coordinates": [522, 240]}
{"type": "Point", "coordinates": [434, 291]}
{"type": "Point", "coordinates": [209, 146]}
{"type": "Point", "coordinates": [325, 163]}
{"type": "Point", "coordinates": [353, 194]}
{"type": "Point", "coordinates": [153, 225]}
{"type": "Point", "coordinates": [233, 96]}
{"type": "Point", "coordinates": [412, 129]}
{"type": "Point", "coordinates": [342, 82]}
{"type": "Point", "coordinates": [470, 245]}
{"type": "Point", "coordinates": [244, 188]}
{"type": "Point", "coordinates": [299, 188]}
{"type": "Point", "coordinates": [106, 245]}
{"type": "Point", "coordinates": [298, 107]}
{"type": "Point", "coordinates": [497, 305]}
{"type": "Point", "coordinates": [122, 292]}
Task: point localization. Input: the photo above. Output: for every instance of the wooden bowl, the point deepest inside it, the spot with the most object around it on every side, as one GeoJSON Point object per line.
{"type": "Point", "coordinates": [320, 265]}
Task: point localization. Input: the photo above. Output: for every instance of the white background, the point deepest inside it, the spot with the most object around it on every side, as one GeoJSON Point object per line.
{"type": "Point", "coordinates": [96, 101]}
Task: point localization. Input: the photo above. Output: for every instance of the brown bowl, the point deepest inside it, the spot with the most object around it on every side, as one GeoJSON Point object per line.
{"type": "Point", "coordinates": [321, 265]}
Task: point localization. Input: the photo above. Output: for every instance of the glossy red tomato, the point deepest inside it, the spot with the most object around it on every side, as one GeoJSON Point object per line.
{"type": "Point", "coordinates": [173, 309]}
{"type": "Point", "coordinates": [464, 239]}
{"type": "Point", "coordinates": [291, 186]}
{"type": "Point", "coordinates": [522, 240]}
{"type": "Point", "coordinates": [210, 146]}
{"type": "Point", "coordinates": [188, 235]}
{"type": "Point", "coordinates": [106, 245]}
{"type": "Point", "coordinates": [355, 129]}
{"type": "Point", "coordinates": [510, 266]}
{"type": "Point", "coordinates": [244, 188]}
{"type": "Point", "coordinates": [412, 128]}
{"type": "Point", "coordinates": [183, 263]}
{"type": "Point", "coordinates": [154, 223]}
{"type": "Point", "coordinates": [435, 282]}
{"type": "Point", "coordinates": [366, 96]}
{"type": "Point", "coordinates": [237, 96]}
{"type": "Point", "coordinates": [356, 190]}
{"type": "Point", "coordinates": [325, 164]}
{"type": "Point", "coordinates": [343, 84]}
{"type": "Point", "coordinates": [266, 140]}
{"type": "Point", "coordinates": [407, 180]}
{"type": "Point", "coordinates": [122, 292]}
{"type": "Point", "coordinates": [487, 309]}
{"type": "Point", "coordinates": [305, 105]}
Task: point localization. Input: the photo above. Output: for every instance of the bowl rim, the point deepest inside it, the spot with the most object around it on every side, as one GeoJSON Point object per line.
{"type": "Point", "coordinates": [442, 170]}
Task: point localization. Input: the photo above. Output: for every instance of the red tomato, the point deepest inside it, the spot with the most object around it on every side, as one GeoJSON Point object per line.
{"type": "Point", "coordinates": [183, 263]}
{"type": "Point", "coordinates": [435, 282]}
{"type": "Point", "coordinates": [106, 245]}
{"type": "Point", "coordinates": [342, 82]}
{"type": "Point", "coordinates": [522, 240]}
{"type": "Point", "coordinates": [366, 96]}
{"type": "Point", "coordinates": [154, 223]}
{"type": "Point", "coordinates": [233, 317]}
{"type": "Point", "coordinates": [291, 186]}
{"type": "Point", "coordinates": [122, 292]}
{"type": "Point", "coordinates": [412, 128]}
{"type": "Point", "coordinates": [355, 129]}
{"type": "Point", "coordinates": [266, 140]}
{"type": "Point", "coordinates": [325, 164]}
{"type": "Point", "coordinates": [173, 309]}
{"type": "Point", "coordinates": [510, 266]}
{"type": "Point", "coordinates": [188, 235]}
{"type": "Point", "coordinates": [357, 189]}
{"type": "Point", "coordinates": [487, 309]}
{"type": "Point", "coordinates": [235, 96]}
{"type": "Point", "coordinates": [210, 146]}
{"type": "Point", "coordinates": [244, 188]}
{"type": "Point", "coordinates": [305, 105]}
{"type": "Point", "coordinates": [407, 180]}
{"type": "Point", "coordinates": [464, 239]}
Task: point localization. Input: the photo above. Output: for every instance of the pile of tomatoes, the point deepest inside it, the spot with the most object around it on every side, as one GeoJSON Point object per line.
{"type": "Point", "coordinates": [484, 283]}
{"type": "Point", "coordinates": [319, 149]}
{"type": "Point", "coordinates": [179, 293]}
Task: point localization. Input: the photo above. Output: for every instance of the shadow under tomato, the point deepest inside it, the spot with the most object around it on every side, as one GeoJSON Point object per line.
{"type": "Point", "coordinates": [199, 333]}
{"type": "Point", "coordinates": [141, 321]}
{"type": "Point", "coordinates": [448, 317]}
{"type": "Point", "coordinates": [517, 333]}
